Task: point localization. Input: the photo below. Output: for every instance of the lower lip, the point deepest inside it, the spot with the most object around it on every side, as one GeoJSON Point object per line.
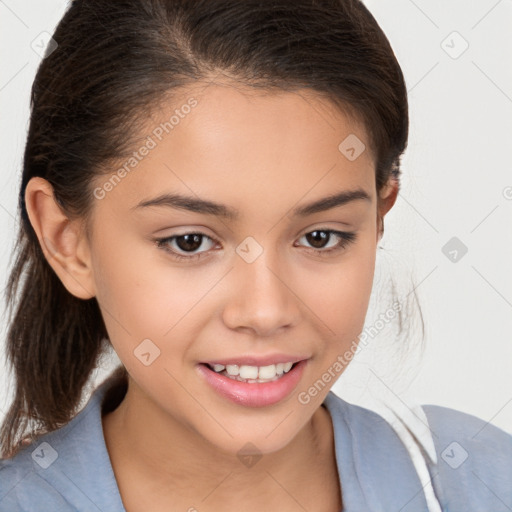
{"type": "Point", "coordinates": [256, 394]}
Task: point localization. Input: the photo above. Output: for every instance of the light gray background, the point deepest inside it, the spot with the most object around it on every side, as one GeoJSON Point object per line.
{"type": "Point", "coordinates": [457, 182]}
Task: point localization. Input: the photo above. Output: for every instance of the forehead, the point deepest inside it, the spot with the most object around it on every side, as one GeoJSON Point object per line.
{"type": "Point", "coordinates": [245, 145]}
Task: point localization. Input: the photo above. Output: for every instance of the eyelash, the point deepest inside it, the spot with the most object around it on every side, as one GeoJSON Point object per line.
{"type": "Point", "coordinates": [346, 238]}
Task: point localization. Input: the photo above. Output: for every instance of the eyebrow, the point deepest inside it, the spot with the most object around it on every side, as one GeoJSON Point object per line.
{"type": "Point", "coordinates": [204, 206]}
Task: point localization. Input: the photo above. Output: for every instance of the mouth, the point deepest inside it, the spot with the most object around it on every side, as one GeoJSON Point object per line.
{"type": "Point", "coordinates": [252, 374]}
{"type": "Point", "coordinates": [253, 386]}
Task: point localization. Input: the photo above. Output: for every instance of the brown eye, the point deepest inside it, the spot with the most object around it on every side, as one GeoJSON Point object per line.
{"type": "Point", "coordinates": [183, 246]}
{"type": "Point", "coordinates": [320, 238]}
{"type": "Point", "coordinates": [190, 242]}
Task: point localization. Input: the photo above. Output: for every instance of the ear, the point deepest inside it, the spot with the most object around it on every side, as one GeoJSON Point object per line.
{"type": "Point", "coordinates": [386, 200]}
{"type": "Point", "coordinates": [62, 240]}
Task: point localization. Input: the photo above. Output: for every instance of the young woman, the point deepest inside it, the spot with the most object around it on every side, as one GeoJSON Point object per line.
{"type": "Point", "coordinates": [204, 188]}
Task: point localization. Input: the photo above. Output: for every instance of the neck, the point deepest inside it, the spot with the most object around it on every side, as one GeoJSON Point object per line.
{"type": "Point", "coordinates": [153, 451]}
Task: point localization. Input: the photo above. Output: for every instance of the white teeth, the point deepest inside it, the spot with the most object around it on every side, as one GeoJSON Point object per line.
{"type": "Point", "coordinates": [287, 367]}
{"type": "Point", "coordinates": [267, 372]}
{"type": "Point", "coordinates": [254, 373]}
{"type": "Point", "coordinates": [248, 372]}
{"type": "Point", "coordinates": [233, 369]}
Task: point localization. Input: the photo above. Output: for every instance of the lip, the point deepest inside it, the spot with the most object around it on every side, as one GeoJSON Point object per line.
{"type": "Point", "coordinates": [249, 360]}
{"type": "Point", "coordinates": [257, 394]}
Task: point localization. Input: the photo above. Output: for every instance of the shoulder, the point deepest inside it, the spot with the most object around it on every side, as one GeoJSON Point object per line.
{"type": "Point", "coordinates": [67, 469]}
{"type": "Point", "coordinates": [474, 466]}
{"type": "Point", "coordinates": [452, 425]}
{"type": "Point", "coordinates": [473, 435]}
{"type": "Point", "coordinates": [27, 479]}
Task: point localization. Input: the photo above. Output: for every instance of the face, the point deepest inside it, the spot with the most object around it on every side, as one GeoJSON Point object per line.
{"type": "Point", "coordinates": [257, 281]}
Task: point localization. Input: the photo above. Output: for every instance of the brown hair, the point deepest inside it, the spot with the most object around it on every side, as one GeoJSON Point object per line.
{"type": "Point", "coordinates": [113, 61]}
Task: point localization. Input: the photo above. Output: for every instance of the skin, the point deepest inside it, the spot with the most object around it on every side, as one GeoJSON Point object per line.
{"type": "Point", "coordinates": [173, 441]}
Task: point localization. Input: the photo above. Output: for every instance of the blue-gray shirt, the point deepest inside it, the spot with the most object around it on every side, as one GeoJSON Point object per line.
{"type": "Point", "coordinates": [70, 470]}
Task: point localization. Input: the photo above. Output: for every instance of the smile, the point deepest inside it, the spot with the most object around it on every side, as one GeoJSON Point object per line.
{"type": "Point", "coordinates": [253, 374]}
{"type": "Point", "coordinates": [253, 386]}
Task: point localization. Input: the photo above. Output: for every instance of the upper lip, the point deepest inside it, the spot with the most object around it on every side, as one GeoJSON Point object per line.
{"type": "Point", "coordinates": [249, 360]}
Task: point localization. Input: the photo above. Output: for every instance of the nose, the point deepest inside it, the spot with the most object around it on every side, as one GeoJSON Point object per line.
{"type": "Point", "coordinates": [261, 298]}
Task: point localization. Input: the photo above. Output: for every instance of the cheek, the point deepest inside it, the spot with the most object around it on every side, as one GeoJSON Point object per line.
{"type": "Point", "coordinates": [137, 300]}
{"type": "Point", "coordinates": [341, 291]}
{"type": "Point", "coordinates": [339, 294]}
{"type": "Point", "coordinates": [143, 297]}
{"type": "Point", "coordinates": [133, 283]}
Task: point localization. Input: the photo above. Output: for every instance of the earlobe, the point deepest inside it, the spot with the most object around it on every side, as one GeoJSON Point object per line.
{"type": "Point", "coordinates": [61, 239]}
{"type": "Point", "coordinates": [386, 200]}
{"type": "Point", "coordinates": [380, 228]}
